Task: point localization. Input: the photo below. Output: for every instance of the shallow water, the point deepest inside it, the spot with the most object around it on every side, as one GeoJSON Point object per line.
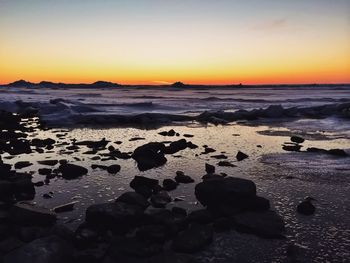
{"type": "Point", "coordinates": [324, 236]}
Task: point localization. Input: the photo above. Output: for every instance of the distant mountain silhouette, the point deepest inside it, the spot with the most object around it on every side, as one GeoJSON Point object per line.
{"type": "Point", "coordinates": [48, 84]}
{"type": "Point", "coordinates": [20, 83]}
{"type": "Point", "coordinates": [178, 85]}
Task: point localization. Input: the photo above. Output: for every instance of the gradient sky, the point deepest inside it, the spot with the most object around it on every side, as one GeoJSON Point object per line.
{"type": "Point", "coordinates": [161, 41]}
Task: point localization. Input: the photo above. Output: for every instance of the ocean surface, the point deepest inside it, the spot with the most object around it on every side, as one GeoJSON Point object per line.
{"type": "Point", "coordinates": [285, 178]}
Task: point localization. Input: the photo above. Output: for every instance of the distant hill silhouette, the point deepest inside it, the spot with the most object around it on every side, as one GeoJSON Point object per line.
{"type": "Point", "coordinates": [48, 84]}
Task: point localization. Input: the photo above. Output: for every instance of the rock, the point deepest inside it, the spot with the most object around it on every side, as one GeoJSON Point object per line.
{"type": "Point", "coordinates": [6, 189]}
{"type": "Point", "coordinates": [23, 188]}
{"type": "Point", "coordinates": [149, 156]}
{"type": "Point", "coordinates": [297, 139]}
{"type": "Point", "coordinates": [22, 164]}
{"type": "Point", "coordinates": [222, 224]}
{"type": "Point", "coordinates": [306, 208]}
{"type": "Point", "coordinates": [96, 145]}
{"type": "Point", "coordinates": [176, 146]}
{"type": "Point", "coordinates": [226, 164]}
{"type": "Point", "coordinates": [72, 171]}
{"type": "Point", "coordinates": [94, 254]}
{"type": "Point", "coordinates": [230, 194]}
{"type": "Point", "coordinates": [193, 239]}
{"type": "Point", "coordinates": [27, 214]}
{"type": "Point", "coordinates": [184, 179]}
{"type": "Point", "coordinates": [113, 169]}
{"type": "Point", "coordinates": [64, 208]}
{"type": "Point", "coordinates": [169, 184]}
{"type": "Point", "coordinates": [201, 216]}
{"type": "Point", "coordinates": [338, 152]}
{"type": "Point", "coordinates": [133, 198]}
{"type": "Point", "coordinates": [143, 182]}
{"type": "Point", "coordinates": [241, 156]}
{"type": "Point", "coordinates": [179, 211]}
{"type": "Point", "coordinates": [292, 148]}
{"type": "Point", "coordinates": [220, 156]}
{"type": "Point", "coordinates": [210, 169]}
{"type": "Point", "coordinates": [266, 224]}
{"type": "Point", "coordinates": [153, 233]}
{"type": "Point", "coordinates": [134, 247]}
{"type": "Point", "coordinates": [49, 249]}
{"type": "Point", "coordinates": [208, 150]}
{"type": "Point", "coordinates": [136, 139]}
{"type": "Point", "coordinates": [161, 199]}
{"type": "Point", "coordinates": [117, 216]}
{"type": "Point", "coordinates": [9, 244]}
{"type": "Point", "coordinates": [45, 171]}
{"type": "Point", "coordinates": [170, 257]}
{"type": "Point", "coordinates": [48, 162]}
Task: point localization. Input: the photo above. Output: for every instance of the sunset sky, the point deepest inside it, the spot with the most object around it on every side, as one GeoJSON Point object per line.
{"type": "Point", "coordinates": [163, 41]}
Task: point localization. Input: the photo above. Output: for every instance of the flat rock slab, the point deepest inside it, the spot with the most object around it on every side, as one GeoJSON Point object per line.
{"type": "Point", "coordinates": [28, 214]}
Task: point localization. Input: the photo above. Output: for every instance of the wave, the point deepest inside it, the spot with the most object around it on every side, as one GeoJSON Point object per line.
{"type": "Point", "coordinates": [63, 112]}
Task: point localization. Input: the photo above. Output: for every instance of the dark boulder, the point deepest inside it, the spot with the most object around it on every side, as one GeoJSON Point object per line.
{"type": "Point", "coordinates": [22, 164]}
{"type": "Point", "coordinates": [72, 171]}
{"type": "Point", "coordinates": [182, 178]}
{"type": "Point", "coordinates": [230, 190]}
{"type": "Point", "coordinates": [149, 156]}
{"type": "Point", "coordinates": [226, 164]}
{"type": "Point", "coordinates": [133, 198]}
{"type": "Point", "coordinates": [241, 156]}
{"type": "Point", "coordinates": [169, 184]}
{"type": "Point", "coordinates": [306, 208]}
{"type": "Point", "coordinates": [113, 169]}
{"type": "Point", "coordinates": [297, 139]}
{"type": "Point", "coordinates": [160, 199]}
{"type": "Point", "coordinates": [210, 169]}
{"type": "Point", "coordinates": [48, 162]}
{"type": "Point", "coordinates": [176, 146]}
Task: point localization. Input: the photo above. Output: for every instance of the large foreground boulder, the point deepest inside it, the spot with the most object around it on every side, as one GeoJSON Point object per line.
{"type": "Point", "coordinates": [225, 190]}
{"type": "Point", "coordinates": [50, 249]}
{"type": "Point", "coordinates": [149, 156]}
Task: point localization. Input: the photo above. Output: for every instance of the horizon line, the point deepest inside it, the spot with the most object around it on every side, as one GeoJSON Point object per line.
{"type": "Point", "coordinates": [179, 82]}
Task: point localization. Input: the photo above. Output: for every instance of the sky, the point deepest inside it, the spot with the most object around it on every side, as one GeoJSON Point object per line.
{"type": "Point", "coordinates": [163, 41]}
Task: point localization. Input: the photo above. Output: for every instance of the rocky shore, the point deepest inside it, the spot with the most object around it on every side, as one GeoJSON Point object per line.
{"type": "Point", "coordinates": [138, 225]}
